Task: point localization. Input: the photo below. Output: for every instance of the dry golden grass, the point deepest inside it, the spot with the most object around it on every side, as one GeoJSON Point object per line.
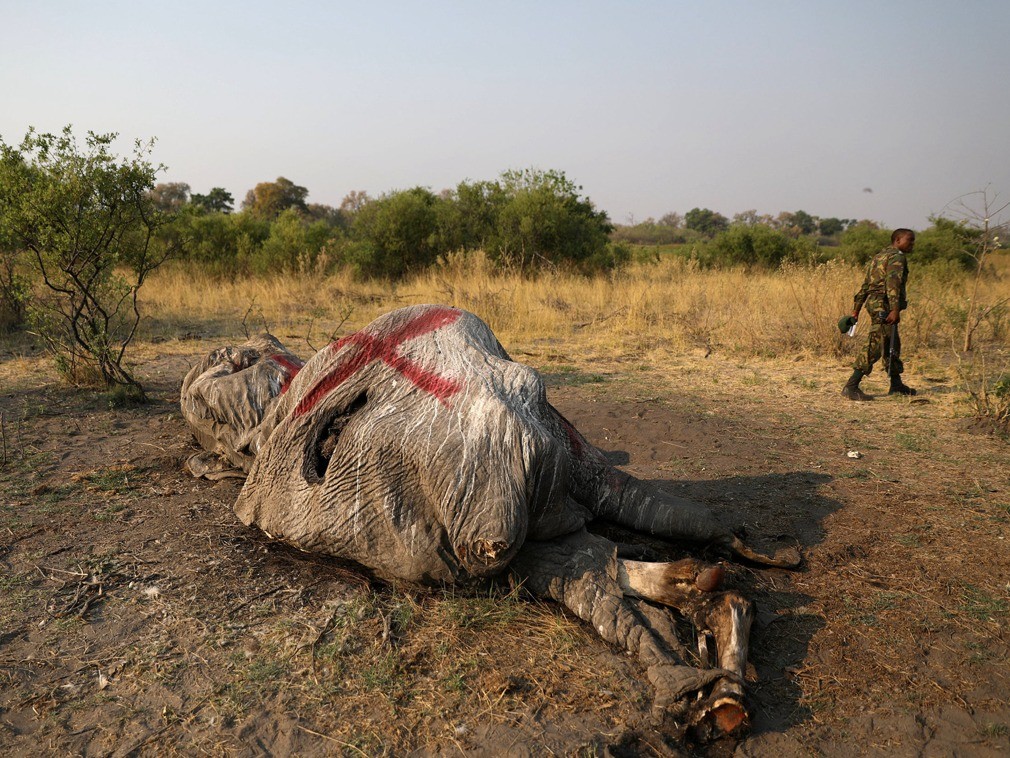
{"type": "Point", "coordinates": [671, 305]}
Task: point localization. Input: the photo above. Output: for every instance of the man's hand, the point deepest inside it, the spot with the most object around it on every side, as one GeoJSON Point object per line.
{"type": "Point", "coordinates": [855, 314]}
{"type": "Point", "coordinates": [893, 317]}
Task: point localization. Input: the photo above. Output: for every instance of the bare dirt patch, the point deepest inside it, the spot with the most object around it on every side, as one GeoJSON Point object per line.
{"type": "Point", "coordinates": [138, 616]}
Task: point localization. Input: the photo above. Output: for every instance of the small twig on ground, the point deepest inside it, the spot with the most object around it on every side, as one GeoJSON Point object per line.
{"type": "Point", "coordinates": [601, 319]}
{"type": "Point", "coordinates": [263, 594]}
{"type": "Point", "coordinates": [355, 748]}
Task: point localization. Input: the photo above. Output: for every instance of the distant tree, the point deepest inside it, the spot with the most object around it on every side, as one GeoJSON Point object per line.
{"type": "Point", "coordinates": [218, 200]}
{"type": "Point", "coordinates": [947, 239]}
{"type": "Point", "coordinates": [705, 221]}
{"type": "Point", "coordinates": [327, 214]}
{"type": "Point", "coordinates": [270, 199]}
{"type": "Point", "coordinates": [829, 227]}
{"type": "Point", "coordinates": [803, 221]}
{"type": "Point", "coordinates": [796, 224]}
{"type": "Point", "coordinates": [353, 202]}
{"type": "Point", "coordinates": [89, 222]}
{"type": "Point", "coordinates": [293, 244]}
{"type": "Point", "coordinates": [673, 220]}
{"type": "Point", "coordinates": [648, 232]}
{"type": "Point", "coordinates": [170, 197]}
{"type": "Point", "coordinates": [746, 218]}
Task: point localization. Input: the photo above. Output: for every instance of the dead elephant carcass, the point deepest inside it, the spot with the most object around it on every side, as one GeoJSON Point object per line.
{"type": "Point", "coordinates": [417, 448]}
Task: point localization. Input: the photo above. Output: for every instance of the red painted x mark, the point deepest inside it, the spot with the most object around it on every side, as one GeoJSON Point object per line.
{"type": "Point", "coordinates": [385, 348]}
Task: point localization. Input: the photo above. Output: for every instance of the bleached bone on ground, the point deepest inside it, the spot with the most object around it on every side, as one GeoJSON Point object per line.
{"type": "Point", "coordinates": [419, 449]}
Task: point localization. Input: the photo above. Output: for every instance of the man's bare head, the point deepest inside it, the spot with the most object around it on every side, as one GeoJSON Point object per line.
{"type": "Point", "coordinates": [903, 240]}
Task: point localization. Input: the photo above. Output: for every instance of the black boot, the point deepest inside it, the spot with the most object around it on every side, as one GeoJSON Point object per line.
{"type": "Point", "coordinates": [851, 389]}
{"type": "Point", "coordinates": [898, 388]}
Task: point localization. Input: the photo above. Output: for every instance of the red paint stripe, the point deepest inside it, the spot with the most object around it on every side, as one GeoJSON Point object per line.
{"type": "Point", "coordinates": [372, 348]}
{"type": "Point", "coordinates": [574, 438]}
{"type": "Point", "coordinates": [291, 369]}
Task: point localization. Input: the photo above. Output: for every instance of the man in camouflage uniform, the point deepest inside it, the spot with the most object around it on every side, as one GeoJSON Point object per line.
{"type": "Point", "coordinates": [883, 294]}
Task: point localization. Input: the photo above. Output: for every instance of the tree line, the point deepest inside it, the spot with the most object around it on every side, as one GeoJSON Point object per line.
{"type": "Point", "coordinates": [763, 240]}
{"type": "Point", "coordinates": [523, 220]}
{"type": "Point", "coordinates": [82, 228]}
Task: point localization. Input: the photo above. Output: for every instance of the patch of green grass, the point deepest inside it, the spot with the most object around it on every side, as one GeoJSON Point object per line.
{"type": "Point", "coordinates": [910, 442]}
{"type": "Point", "coordinates": [754, 380]}
{"type": "Point", "coordinates": [861, 473]}
{"type": "Point", "coordinates": [123, 396]}
{"type": "Point", "coordinates": [887, 600]}
{"type": "Point", "coordinates": [264, 670]}
{"type": "Point", "coordinates": [982, 606]}
{"type": "Point", "coordinates": [51, 497]}
{"type": "Point", "coordinates": [113, 480]}
{"type": "Point", "coordinates": [1002, 513]}
{"type": "Point", "coordinates": [455, 682]}
{"type": "Point", "coordinates": [980, 654]}
{"type": "Point", "coordinates": [495, 608]}
{"type": "Point", "coordinates": [385, 675]}
{"type": "Point", "coordinates": [110, 513]}
{"type": "Point", "coordinates": [571, 375]}
{"type": "Point", "coordinates": [993, 729]}
{"type": "Point", "coordinates": [908, 540]}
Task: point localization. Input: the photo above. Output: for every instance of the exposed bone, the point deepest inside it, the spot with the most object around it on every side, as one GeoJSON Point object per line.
{"type": "Point", "coordinates": [727, 616]}
{"type": "Point", "coordinates": [672, 584]}
{"type": "Point", "coordinates": [705, 643]}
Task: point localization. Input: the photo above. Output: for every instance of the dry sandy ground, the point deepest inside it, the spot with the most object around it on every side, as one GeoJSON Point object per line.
{"type": "Point", "coordinates": [137, 616]}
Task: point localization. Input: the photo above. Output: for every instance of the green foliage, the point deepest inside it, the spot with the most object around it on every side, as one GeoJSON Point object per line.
{"type": "Point", "coordinates": [947, 241]}
{"type": "Point", "coordinates": [397, 233]}
{"type": "Point", "coordinates": [293, 244]}
{"type": "Point", "coordinates": [526, 219]}
{"type": "Point", "coordinates": [218, 200]}
{"type": "Point", "coordinates": [170, 197]}
{"type": "Point", "coordinates": [544, 220]}
{"type": "Point", "coordinates": [830, 227]}
{"type": "Point", "coordinates": [468, 218]}
{"type": "Point", "coordinates": [649, 232]}
{"type": "Point", "coordinates": [270, 199]}
{"type": "Point", "coordinates": [861, 241]}
{"type": "Point", "coordinates": [757, 245]}
{"type": "Point", "coordinates": [15, 285]}
{"type": "Point", "coordinates": [88, 223]}
{"type": "Point", "coordinates": [705, 221]}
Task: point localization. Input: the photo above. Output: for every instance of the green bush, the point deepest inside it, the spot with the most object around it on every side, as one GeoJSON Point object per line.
{"type": "Point", "coordinates": [543, 219]}
{"type": "Point", "coordinates": [946, 241]}
{"type": "Point", "coordinates": [862, 241]}
{"type": "Point", "coordinates": [756, 245]}
{"type": "Point", "coordinates": [398, 233]}
{"type": "Point", "coordinates": [293, 244]}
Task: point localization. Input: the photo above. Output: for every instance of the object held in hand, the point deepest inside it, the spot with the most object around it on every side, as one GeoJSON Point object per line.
{"type": "Point", "coordinates": [847, 325]}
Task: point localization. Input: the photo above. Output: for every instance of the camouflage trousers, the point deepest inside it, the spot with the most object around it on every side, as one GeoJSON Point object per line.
{"type": "Point", "coordinates": [878, 345]}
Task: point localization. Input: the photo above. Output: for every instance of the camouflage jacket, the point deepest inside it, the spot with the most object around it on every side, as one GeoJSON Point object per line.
{"type": "Point", "coordinates": [884, 286]}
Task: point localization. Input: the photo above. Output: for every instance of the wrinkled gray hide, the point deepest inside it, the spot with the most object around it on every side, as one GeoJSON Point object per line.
{"type": "Point", "coordinates": [417, 448]}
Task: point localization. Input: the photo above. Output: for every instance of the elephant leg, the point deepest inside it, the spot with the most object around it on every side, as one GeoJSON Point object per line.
{"type": "Point", "coordinates": [581, 571]}
{"type": "Point", "coordinates": [722, 621]}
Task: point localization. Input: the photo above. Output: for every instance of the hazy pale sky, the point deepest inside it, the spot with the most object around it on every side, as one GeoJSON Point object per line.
{"type": "Point", "coordinates": [650, 106]}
